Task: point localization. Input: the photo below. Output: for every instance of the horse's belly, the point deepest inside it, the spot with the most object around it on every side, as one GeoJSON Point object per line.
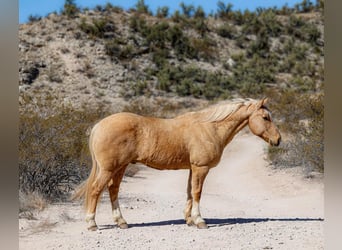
{"type": "Point", "coordinates": [168, 166]}
{"type": "Point", "coordinates": [164, 164]}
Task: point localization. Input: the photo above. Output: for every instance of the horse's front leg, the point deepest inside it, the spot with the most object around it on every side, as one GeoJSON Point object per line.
{"type": "Point", "coordinates": [188, 207]}
{"type": "Point", "coordinates": [197, 179]}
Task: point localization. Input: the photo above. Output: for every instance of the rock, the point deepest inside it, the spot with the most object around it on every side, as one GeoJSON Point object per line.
{"type": "Point", "coordinates": [29, 75]}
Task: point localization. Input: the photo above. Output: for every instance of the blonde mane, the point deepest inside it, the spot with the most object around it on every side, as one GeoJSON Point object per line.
{"type": "Point", "coordinates": [219, 111]}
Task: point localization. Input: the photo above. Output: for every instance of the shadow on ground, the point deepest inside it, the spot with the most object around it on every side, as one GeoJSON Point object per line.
{"type": "Point", "coordinates": [214, 222]}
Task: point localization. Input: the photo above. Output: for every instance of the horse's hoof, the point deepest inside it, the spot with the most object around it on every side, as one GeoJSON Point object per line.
{"type": "Point", "coordinates": [190, 222]}
{"type": "Point", "coordinates": [202, 225]}
{"type": "Point", "coordinates": [123, 226]}
{"type": "Point", "coordinates": [92, 228]}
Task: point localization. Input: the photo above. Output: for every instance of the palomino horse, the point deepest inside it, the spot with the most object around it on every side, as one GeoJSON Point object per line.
{"type": "Point", "coordinates": [193, 141]}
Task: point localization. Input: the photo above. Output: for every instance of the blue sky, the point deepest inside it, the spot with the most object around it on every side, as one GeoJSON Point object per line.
{"type": "Point", "coordinates": [43, 7]}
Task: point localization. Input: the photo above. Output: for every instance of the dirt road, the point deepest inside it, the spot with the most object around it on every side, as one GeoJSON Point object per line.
{"type": "Point", "coordinates": [246, 204]}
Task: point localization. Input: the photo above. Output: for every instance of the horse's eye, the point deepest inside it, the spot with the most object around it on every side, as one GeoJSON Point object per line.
{"type": "Point", "coordinates": [266, 118]}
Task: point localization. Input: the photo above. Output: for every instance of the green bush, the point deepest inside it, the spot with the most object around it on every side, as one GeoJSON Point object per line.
{"type": "Point", "coordinates": [113, 49]}
{"type": "Point", "coordinates": [141, 7]}
{"type": "Point", "coordinates": [204, 48]}
{"type": "Point", "coordinates": [156, 35]}
{"type": "Point", "coordinates": [70, 9]}
{"type": "Point", "coordinates": [224, 11]}
{"type": "Point", "coordinates": [226, 30]}
{"type": "Point", "coordinates": [250, 76]}
{"type": "Point", "coordinates": [137, 23]}
{"type": "Point", "coordinates": [188, 10]}
{"type": "Point", "coordinates": [119, 52]}
{"type": "Point", "coordinates": [162, 12]}
{"type": "Point", "coordinates": [194, 81]}
{"type": "Point", "coordinates": [263, 24]}
{"type": "Point", "coordinates": [34, 18]}
{"type": "Point", "coordinates": [199, 13]}
{"type": "Point", "coordinates": [98, 27]}
{"type": "Point", "coordinates": [259, 47]}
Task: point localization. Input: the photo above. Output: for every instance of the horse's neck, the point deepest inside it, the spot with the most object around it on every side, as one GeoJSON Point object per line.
{"type": "Point", "coordinates": [229, 127]}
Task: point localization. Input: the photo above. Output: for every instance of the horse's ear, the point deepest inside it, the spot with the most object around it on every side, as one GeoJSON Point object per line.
{"type": "Point", "coordinates": [259, 104]}
{"type": "Point", "coordinates": [264, 101]}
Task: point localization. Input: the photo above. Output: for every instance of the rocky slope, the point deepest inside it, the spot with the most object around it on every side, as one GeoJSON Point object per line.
{"type": "Point", "coordinates": [109, 56]}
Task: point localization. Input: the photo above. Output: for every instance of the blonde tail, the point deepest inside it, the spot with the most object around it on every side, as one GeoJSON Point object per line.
{"type": "Point", "coordinates": [84, 189]}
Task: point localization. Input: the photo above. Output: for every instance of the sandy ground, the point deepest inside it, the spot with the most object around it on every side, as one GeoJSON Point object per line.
{"type": "Point", "coordinates": [246, 204]}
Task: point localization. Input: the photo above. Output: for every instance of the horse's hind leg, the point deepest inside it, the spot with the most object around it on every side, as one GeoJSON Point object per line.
{"type": "Point", "coordinates": [97, 187]}
{"type": "Point", "coordinates": [113, 188]}
{"type": "Point", "coordinates": [188, 207]}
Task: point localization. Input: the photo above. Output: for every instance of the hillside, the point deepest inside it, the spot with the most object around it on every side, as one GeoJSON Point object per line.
{"type": "Point", "coordinates": [109, 56]}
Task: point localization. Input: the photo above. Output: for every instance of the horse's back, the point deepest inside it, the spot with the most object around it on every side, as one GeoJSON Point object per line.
{"type": "Point", "coordinates": [115, 136]}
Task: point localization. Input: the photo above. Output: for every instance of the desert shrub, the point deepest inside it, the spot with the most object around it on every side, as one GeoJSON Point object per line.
{"type": "Point", "coordinates": [137, 23]}
{"type": "Point", "coordinates": [226, 30]}
{"type": "Point", "coordinates": [294, 22]}
{"type": "Point", "coordinates": [34, 18]}
{"type": "Point", "coordinates": [112, 49]}
{"type": "Point", "coordinates": [116, 51]}
{"type": "Point", "coordinates": [240, 41]}
{"type": "Point", "coordinates": [188, 10]}
{"type": "Point", "coordinates": [302, 125]}
{"type": "Point", "coordinates": [159, 57]}
{"type": "Point", "coordinates": [205, 48]}
{"type": "Point", "coordinates": [224, 11]}
{"type": "Point", "coordinates": [162, 35]}
{"type": "Point", "coordinates": [116, 9]}
{"type": "Point", "coordinates": [97, 28]}
{"type": "Point", "coordinates": [156, 35]}
{"type": "Point", "coordinates": [238, 18]}
{"type": "Point", "coordinates": [29, 202]}
{"type": "Point", "coordinates": [264, 23]}
{"type": "Point", "coordinates": [260, 46]}
{"type": "Point", "coordinates": [99, 8]}
{"type": "Point", "coordinates": [311, 33]}
{"type": "Point", "coordinates": [305, 6]}
{"type": "Point", "coordinates": [181, 43]}
{"type": "Point", "coordinates": [137, 88]}
{"type": "Point", "coordinates": [53, 154]}
{"type": "Point", "coordinates": [199, 13]}
{"type": "Point", "coordinates": [250, 76]}
{"type": "Point", "coordinates": [141, 7]}
{"type": "Point", "coordinates": [200, 25]}
{"type": "Point", "coordinates": [162, 12]}
{"type": "Point", "coordinates": [194, 81]}
{"type": "Point", "coordinates": [70, 9]}
{"type": "Point", "coordinates": [176, 17]}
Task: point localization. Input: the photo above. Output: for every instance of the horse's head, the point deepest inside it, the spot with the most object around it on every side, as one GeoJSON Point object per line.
{"type": "Point", "coordinates": [260, 123]}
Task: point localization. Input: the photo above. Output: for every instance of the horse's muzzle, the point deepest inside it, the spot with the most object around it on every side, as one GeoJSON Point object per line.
{"type": "Point", "coordinates": [276, 142]}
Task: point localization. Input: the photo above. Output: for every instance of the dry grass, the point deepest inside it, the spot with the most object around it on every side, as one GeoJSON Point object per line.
{"type": "Point", "coordinates": [31, 203]}
{"type": "Point", "coordinates": [302, 128]}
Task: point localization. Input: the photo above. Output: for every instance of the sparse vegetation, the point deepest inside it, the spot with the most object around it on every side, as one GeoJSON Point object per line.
{"type": "Point", "coordinates": [34, 18]}
{"type": "Point", "coordinates": [303, 128]}
{"type": "Point", "coordinates": [70, 9]}
{"type": "Point", "coordinates": [53, 151]}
